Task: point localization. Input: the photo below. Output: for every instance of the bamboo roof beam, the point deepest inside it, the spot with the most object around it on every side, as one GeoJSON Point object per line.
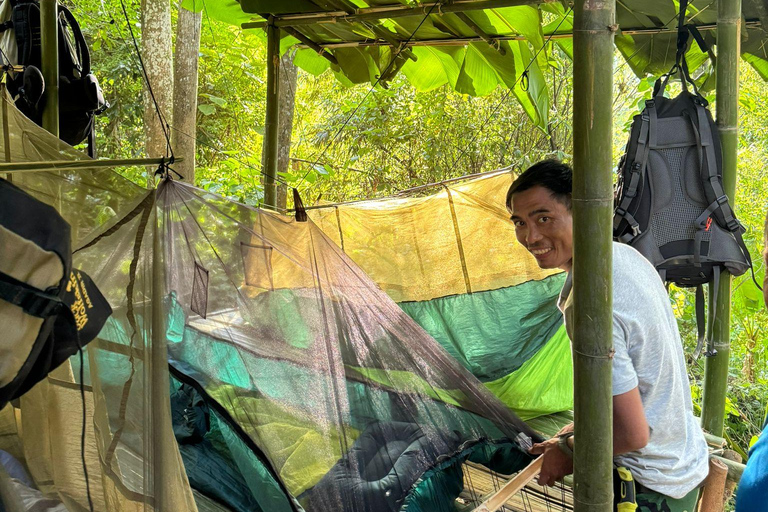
{"type": "Point", "coordinates": [67, 165]}
{"type": "Point", "coordinates": [390, 38]}
{"type": "Point", "coordinates": [309, 43]}
{"type": "Point", "coordinates": [391, 11]}
{"type": "Point", "coordinates": [493, 42]}
{"type": "Point", "coordinates": [463, 41]}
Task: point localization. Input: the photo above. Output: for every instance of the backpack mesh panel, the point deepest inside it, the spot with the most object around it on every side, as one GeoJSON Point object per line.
{"type": "Point", "coordinates": [676, 220]}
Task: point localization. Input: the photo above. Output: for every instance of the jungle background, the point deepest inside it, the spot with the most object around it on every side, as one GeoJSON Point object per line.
{"type": "Point", "coordinates": [351, 142]}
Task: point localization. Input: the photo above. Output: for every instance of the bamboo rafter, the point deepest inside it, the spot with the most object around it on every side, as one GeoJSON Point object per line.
{"type": "Point", "coordinates": [391, 11]}
{"type": "Point", "coordinates": [463, 41]}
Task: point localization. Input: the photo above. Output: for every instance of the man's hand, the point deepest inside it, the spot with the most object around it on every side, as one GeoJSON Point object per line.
{"type": "Point", "coordinates": [555, 465]}
{"type": "Point", "coordinates": [566, 429]}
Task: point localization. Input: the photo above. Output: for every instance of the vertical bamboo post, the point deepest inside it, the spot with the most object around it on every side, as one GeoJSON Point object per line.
{"type": "Point", "coordinates": [712, 496]}
{"type": "Point", "coordinates": [49, 35]}
{"type": "Point", "coordinates": [269, 160]}
{"type": "Point", "coordinates": [594, 29]}
{"type": "Point", "coordinates": [728, 55]}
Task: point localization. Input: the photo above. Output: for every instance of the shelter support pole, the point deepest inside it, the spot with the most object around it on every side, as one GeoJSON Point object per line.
{"type": "Point", "coordinates": [269, 159]}
{"type": "Point", "coordinates": [49, 55]}
{"type": "Point", "coordinates": [727, 93]}
{"type": "Point", "coordinates": [594, 28]}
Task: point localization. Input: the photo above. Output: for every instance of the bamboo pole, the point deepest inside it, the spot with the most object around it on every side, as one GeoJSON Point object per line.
{"type": "Point", "coordinates": [714, 488]}
{"type": "Point", "coordinates": [735, 469]}
{"type": "Point", "coordinates": [500, 497]}
{"type": "Point", "coordinates": [58, 165]}
{"type": "Point", "coordinates": [480, 33]}
{"type": "Point", "coordinates": [463, 41]}
{"type": "Point", "coordinates": [49, 54]}
{"type": "Point", "coordinates": [730, 482]}
{"type": "Point", "coordinates": [6, 129]}
{"type": "Point", "coordinates": [594, 28]}
{"type": "Point", "coordinates": [269, 160]}
{"type": "Point", "coordinates": [390, 11]}
{"type": "Point", "coordinates": [727, 93]}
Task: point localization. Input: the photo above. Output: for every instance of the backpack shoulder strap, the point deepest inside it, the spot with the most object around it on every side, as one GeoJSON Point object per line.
{"type": "Point", "coordinates": [33, 301]}
{"type": "Point", "coordinates": [637, 169]}
{"type": "Point", "coordinates": [713, 189]}
{"type": "Point", "coordinates": [82, 48]}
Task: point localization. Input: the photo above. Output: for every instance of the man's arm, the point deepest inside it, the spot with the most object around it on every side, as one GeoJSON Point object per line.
{"type": "Point", "coordinates": [630, 433]}
{"type": "Point", "coordinates": [630, 428]}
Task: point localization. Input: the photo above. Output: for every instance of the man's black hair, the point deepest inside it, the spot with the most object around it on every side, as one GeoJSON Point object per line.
{"type": "Point", "coordinates": [553, 175]}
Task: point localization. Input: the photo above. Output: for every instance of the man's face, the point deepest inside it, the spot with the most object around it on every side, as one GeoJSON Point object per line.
{"type": "Point", "coordinates": [544, 226]}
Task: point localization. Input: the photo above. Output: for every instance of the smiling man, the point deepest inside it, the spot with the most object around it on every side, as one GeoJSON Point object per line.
{"type": "Point", "coordinates": [655, 436]}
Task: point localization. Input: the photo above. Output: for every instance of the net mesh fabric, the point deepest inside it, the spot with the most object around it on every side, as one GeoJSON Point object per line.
{"type": "Point", "coordinates": [298, 332]}
{"type": "Point", "coordinates": [429, 252]}
{"type": "Point", "coordinates": [122, 446]}
{"type": "Point", "coordinates": [679, 216]}
{"type": "Point", "coordinates": [319, 376]}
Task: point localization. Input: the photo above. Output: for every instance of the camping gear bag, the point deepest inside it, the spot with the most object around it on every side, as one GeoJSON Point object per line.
{"type": "Point", "coordinates": [48, 311]}
{"type": "Point", "coordinates": [670, 202]}
{"type": "Point", "coordinates": [80, 97]}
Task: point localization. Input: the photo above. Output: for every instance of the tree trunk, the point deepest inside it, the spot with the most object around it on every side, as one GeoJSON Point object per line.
{"type": "Point", "coordinates": [158, 62]}
{"type": "Point", "coordinates": [184, 131]}
{"type": "Point", "coordinates": [288, 78]}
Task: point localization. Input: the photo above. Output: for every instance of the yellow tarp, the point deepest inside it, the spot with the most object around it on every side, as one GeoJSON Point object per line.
{"type": "Point", "coordinates": [458, 240]}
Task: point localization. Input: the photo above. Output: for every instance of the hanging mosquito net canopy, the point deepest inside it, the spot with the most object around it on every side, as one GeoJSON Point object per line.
{"type": "Point", "coordinates": [451, 261]}
{"type": "Point", "coordinates": [296, 382]}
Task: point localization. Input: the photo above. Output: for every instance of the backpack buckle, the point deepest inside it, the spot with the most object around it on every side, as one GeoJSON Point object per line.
{"type": "Point", "coordinates": [636, 167]}
{"type": "Point", "coordinates": [635, 229]}
{"type": "Point", "coordinates": [620, 211]}
{"type": "Point", "coordinates": [723, 199]}
{"type": "Point", "coordinates": [734, 225]}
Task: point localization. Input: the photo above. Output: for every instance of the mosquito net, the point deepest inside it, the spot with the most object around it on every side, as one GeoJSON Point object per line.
{"type": "Point", "coordinates": [249, 364]}
{"type": "Point", "coordinates": [452, 262]}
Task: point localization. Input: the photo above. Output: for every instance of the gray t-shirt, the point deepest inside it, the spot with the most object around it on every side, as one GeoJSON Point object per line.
{"type": "Point", "coordinates": [649, 355]}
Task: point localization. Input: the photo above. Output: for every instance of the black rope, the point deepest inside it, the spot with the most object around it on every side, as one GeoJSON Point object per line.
{"type": "Point", "coordinates": [82, 431]}
{"type": "Point", "coordinates": [163, 123]}
{"type": "Point", "coordinates": [403, 46]}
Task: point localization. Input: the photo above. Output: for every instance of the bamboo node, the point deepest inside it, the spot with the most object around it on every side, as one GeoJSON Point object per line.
{"type": "Point", "coordinates": [609, 355]}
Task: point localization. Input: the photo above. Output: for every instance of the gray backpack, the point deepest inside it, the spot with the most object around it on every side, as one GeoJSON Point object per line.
{"type": "Point", "coordinates": [670, 203]}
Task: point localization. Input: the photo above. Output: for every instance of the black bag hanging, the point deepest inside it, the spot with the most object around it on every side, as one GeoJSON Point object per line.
{"type": "Point", "coordinates": [48, 310]}
{"type": "Point", "coordinates": [80, 97]}
{"type": "Point", "coordinates": [670, 202]}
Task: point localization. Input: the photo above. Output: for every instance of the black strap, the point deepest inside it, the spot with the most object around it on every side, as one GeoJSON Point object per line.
{"type": "Point", "coordinates": [714, 288]}
{"type": "Point", "coordinates": [33, 301]}
{"type": "Point", "coordinates": [298, 206]}
{"type": "Point", "coordinates": [701, 321]}
{"type": "Point", "coordinates": [81, 48]}
{"type": "Point", "coordinates": [697, 37]}
{"type": "Point", "coordinates": [637, 173]}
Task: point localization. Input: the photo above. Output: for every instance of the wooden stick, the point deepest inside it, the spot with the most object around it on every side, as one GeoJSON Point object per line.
{"type": "Point", "coordinates": [730, 483]}
{"type": "Point", "coordinates": [500, 497]}
{"type": "Point", "coordinates": [714, 488]}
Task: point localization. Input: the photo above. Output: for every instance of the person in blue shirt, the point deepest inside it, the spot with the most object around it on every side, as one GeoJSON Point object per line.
{"type": "Point", "coordinates": [752, 495]}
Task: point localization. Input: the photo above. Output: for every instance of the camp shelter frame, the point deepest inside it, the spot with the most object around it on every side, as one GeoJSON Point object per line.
{"type": "Point", "coordinates": [593, 34]}
{"type": "Point", "coordinates": [593, 42]}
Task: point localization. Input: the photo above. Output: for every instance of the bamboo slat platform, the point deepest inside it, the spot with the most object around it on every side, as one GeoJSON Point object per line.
{"type": "Point", "coordinates": [480, 482]}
